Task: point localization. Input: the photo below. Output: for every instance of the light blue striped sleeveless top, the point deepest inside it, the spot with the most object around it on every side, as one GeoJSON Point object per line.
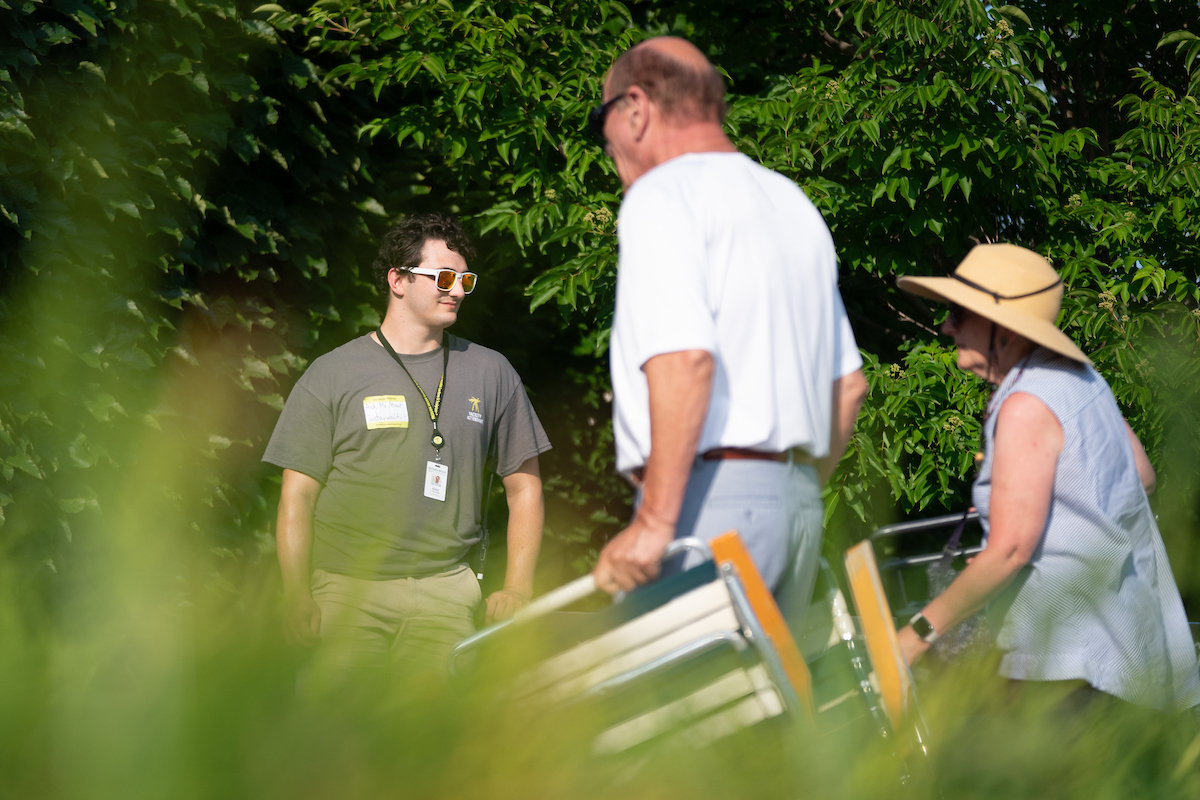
{"type": "Point", "coordinates": [1097, 601]}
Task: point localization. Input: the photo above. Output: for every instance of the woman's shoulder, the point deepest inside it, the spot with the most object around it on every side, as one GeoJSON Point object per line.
{"type": "Point", "coordinates": [1029, 413]}
{"type": "Point", "coordinates": [1066, 386]}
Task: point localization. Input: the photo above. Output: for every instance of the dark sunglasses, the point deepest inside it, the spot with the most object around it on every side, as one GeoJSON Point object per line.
{"type": "Point", "coordinates": [599, 114]}
{"type": "Point", "coordinates": [957, 315]}
{"type": "Point", "coordinates": [446, 277]}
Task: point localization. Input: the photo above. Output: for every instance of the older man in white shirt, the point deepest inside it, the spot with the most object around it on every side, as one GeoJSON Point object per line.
{"type": "Point", "coordinates": [735, 372]}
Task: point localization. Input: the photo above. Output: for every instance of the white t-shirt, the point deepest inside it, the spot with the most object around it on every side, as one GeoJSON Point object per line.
{"type": "Point", "coordinates": [718, 253]}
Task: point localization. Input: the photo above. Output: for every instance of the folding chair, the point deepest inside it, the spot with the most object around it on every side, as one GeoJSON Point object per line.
{"type": "Point", "coordinates": [890, 675]}
{"type": "Point", "coordinates": [685, 661]}
{"type": "Point", "coordinates": [846, 699]}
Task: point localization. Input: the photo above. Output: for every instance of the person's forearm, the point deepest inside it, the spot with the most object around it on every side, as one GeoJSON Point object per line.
{"type": "Point", "coordinates": [526, 517]}
{"type": "Point", "coordinates": [984, 578]}
{"type": "Point", "coordinates": [294, 543]}
{"type": "Point", "coordinates": [1144, 468]}
{"type": "Point", "coordinates": [293, 539]}
{"type": "Point", "coordinates": [680, 385]}
{"type": "Point", "coordinates": [849, 391]}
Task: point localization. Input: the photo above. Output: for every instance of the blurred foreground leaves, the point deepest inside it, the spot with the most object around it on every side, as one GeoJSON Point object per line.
{"type": "Point", "coordinates": [137, 698]}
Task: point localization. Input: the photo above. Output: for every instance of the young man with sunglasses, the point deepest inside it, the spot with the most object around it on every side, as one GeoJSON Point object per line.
{"type": "Point", "coordinates": [384, 444]}
{"type": "Point", "coordinates": [735, 373]}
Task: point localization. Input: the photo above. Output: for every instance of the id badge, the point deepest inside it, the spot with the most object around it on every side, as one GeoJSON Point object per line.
{"type": "Point", "coordinates": [436, 476]}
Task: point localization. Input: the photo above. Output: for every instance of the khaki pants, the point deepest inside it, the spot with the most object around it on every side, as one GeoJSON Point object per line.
{"type": "Point", "coordinates": [400, 631]}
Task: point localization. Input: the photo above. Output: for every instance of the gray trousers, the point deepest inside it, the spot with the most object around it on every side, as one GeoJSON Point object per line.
{"type": "Point", "coordinates": [775, 507]}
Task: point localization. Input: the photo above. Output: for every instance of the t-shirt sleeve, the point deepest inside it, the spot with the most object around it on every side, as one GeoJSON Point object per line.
{"type": "Point", "coordinates": [519, 433]}
{"type": "Point", "coordinates": [662, 288]}
{"type": "Point", "coordinates": [846, 358]}
{"type": "Point", "coordinates": [303, 436]}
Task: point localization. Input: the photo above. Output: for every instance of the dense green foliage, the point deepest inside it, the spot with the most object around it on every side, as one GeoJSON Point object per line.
{"type": "Point", "coordinates": [186, 209]}
{"type": "Point", "coordinates": [190, 196]}
{"type": "Point", "coordinates": [918, 130]}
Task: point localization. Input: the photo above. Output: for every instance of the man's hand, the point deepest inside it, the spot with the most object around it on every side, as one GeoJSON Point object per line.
{"type": "Point", "coordinates": [633, 556]}
{"type": "Point", "coordinates": [301, 619]}
{"type": "Point", "coordinates": [503, 604]}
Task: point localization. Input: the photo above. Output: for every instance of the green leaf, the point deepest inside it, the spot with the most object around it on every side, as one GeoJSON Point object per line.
{"type": "Point", "coordinates": [891, 159]}
{"type": "Point", "coordinates": [24, 463]}
{"type": "Point", "coordinates": [1015, 13]}
{"type": "Point", "coordinates": [964, 183]}
{"type": "Point", "coordinates": [104, 407]}
{"type": "Point", "coordinates": [543, 294]}
{"type": "Point", "coordinates": [1177, 36]}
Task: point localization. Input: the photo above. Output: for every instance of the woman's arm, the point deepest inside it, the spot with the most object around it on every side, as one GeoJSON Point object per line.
{"type": "Point", "coordinates": [1144, 467]}
{"type": "Point", "coordinates": [1028, 441]}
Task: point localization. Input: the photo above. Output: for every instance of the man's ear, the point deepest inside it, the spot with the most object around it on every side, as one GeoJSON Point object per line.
{"type": "Point", "coordinates": [397, 281]}
{"type": "Point", "coordinates": [639, 112]}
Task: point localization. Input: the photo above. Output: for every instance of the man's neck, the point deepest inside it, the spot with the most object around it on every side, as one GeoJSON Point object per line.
{"type": "Point", "coordinates": [673, 141]}
{"type": "Point", "coordinates": [410, 339]}
{"type": "Point", "coordinates": [702, 137]}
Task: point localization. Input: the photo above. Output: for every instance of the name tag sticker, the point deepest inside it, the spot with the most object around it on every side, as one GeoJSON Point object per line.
{"type": "Point", "coordinates": [385, 411]}
{"type": "Point", "coordinates": [436, 476]}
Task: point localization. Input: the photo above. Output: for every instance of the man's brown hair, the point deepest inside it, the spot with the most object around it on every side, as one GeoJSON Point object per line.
{"type": "Point", "coordinates": [684, 94]}
{"type": "Point", "coordinates": [403, 245]}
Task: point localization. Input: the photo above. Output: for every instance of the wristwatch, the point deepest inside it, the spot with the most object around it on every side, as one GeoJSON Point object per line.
{"type": "Point", "coordinates": [923, 629]}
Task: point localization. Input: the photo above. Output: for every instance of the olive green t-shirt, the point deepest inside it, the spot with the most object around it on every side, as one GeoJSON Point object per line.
{"type": "Point", "coordinates": [343, 425]}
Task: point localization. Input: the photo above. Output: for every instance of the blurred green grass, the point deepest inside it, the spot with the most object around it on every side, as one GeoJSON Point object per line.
{"type": "Point", "coordinates": [134, 692]}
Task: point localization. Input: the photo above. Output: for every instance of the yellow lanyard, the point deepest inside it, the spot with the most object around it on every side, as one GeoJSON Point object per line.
{"type": "Point", "coordinates": [434, 408]}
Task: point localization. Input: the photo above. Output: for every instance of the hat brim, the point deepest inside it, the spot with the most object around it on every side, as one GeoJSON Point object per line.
{"type": "Point", "coordinates": [1038, 331]}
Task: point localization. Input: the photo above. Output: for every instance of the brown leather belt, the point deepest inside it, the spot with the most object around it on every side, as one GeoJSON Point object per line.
{"type": "Point", "coordinates": [740, 453]}
{"type": "Point", "coordinates": [736, 454]}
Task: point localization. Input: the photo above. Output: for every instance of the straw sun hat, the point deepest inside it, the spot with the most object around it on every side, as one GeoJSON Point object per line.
{"type": "Point", "coordinates": [1010, 286]}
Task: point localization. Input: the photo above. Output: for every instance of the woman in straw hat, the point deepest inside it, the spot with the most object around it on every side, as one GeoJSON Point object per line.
{"type": "Point", "coordinates": [1074, 568]}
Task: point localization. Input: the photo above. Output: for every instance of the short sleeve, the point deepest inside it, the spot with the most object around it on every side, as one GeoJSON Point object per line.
{"type": "Point", "coordinates": [303, 436]}
{"type": "Point", "coordinates": [846, 358]}
{"type": "Point", "coordinates": [662, 286]}
{"type": "Point", "coordinates": [519, 433]}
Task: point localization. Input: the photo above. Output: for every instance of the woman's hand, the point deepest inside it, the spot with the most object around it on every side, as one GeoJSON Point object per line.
{"type": "Point", "coordinates": [911, 645]}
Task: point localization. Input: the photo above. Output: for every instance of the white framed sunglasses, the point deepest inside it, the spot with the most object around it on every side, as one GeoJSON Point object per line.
{"type": "Point", "coordinates": [445, 278]}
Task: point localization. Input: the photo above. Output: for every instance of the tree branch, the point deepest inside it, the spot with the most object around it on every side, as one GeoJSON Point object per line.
{"type": "Point", "coordinates": [906, 318]}
{"type": "Point", "coordinates": [845, 48]}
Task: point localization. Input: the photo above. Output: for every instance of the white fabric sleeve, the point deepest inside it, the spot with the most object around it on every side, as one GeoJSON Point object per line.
{"type": "Point", "coordinates": [846, 358]}
{"type": "Point", "coordinates": [663, 275]}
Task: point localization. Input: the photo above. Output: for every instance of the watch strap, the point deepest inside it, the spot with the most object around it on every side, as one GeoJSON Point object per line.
{"type": "Point", "coordinates": [924, 629]}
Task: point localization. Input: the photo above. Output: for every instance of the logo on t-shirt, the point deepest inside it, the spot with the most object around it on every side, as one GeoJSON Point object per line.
{"type": "Point", "coordinates": [473, 413]}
